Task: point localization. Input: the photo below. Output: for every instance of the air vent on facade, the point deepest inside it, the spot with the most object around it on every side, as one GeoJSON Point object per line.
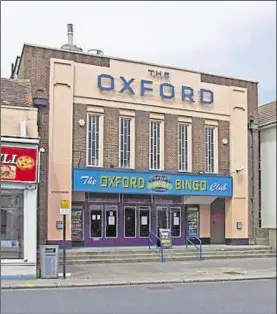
{"type": "Point", "coordinates": [96, 52]}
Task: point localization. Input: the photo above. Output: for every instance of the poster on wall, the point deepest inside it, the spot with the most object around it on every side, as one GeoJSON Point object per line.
{"type": "Point", "coordinates": [165, 236]}
{"type": "Point", "coordinates": [193, 222]}
{"type": "Point", "coordinates": [77, 222]}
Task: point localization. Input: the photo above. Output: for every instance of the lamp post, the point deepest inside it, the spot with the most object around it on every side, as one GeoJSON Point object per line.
{"type": "Point", "coordinates": [253, 127]}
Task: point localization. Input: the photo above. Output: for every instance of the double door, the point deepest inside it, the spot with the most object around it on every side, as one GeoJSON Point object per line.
{"type": "Point", "coordinates": [169, 218]}
{"type": "Point", "coordinates": [103, 221]}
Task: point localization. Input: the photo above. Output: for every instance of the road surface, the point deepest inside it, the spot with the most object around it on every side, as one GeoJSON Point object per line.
{"type": "Point", "coordinates": [257, 297]}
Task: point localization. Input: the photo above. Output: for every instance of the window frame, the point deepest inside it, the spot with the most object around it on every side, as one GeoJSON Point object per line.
{"type": "Point", "coordinates": [188, 152]}
{"type": "Point", "coordinates": [131, 144]}
{"type": "Point", "coordinates": [100, 139]}
{"type": "Point", "coordinates": [160, 145]}
{"type": "Point", "coordinates": [215, 149]}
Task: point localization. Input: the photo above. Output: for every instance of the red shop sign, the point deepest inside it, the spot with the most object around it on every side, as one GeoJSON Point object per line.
{"type": "Point", "coordinates": [19, 164]}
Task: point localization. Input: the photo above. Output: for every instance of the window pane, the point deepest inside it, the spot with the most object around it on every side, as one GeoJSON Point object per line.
{"type": "Point", "coordinates": [155, 144]}
{"type": "Point", "coordinates": [12, 224]}
{"type": "Point", "coordinates": [183, 147]}
{"type": "Point", "coordinates": [93, 140]}
{"type": "Point", "coordinates": [130, 222]}
{"type": "Point", "coordinates": [209, 149]}
{"type": "Point", "coordinates": [125, 142]}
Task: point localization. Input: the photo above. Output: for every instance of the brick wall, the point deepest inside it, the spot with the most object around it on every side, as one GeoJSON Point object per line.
{"type": "Point", "coordinates": [79, 136]}
{"type": "Point", "coordinates": [171, 143]}
{"type": "Point", "coordinates": [16, 92]}
{"type": "Point", "coordinates": [253, 168]}
{"type": "Point", "coordinates": [198, 145]}
{"type": "Point", "coordinates": [223, 150]}
{"type": "Point", "coordinates": [35, 65]}
{"type": "Point", "coordinates": [142, 140]}
{"type": "Point", "coordinates": [111, 141]}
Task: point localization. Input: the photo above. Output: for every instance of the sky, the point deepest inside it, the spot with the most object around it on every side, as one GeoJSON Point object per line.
{"type": "Point", "coordinates": [230, 38]}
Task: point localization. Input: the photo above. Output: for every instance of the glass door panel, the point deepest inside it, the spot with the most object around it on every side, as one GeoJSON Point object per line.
{"type": "Point", "coordinates": [96, 222]}
{"type": "Point", "coordinates": [175, 221]}
{"type": "Point", "coordinates": [144, 222]}
{"type": "Point", "coordinates": [111, 221]}
{"type": "Point", "coordinates": [130, 222]}
{"type": "Point", "coordinates": [162, 218]}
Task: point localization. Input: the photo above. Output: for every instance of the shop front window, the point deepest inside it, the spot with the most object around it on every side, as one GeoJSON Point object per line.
{"type": "Point", "coordinates": [12, 224]}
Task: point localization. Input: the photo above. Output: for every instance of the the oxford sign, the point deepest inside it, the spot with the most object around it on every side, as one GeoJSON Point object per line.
{"type": "Point", "coordinates": [108, 83]}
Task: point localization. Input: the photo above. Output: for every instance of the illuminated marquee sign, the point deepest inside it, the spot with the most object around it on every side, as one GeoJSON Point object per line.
{"type": "Point", "coordinates": [100, 181]}
{"type": "Point", "coordinates": [107, 83]}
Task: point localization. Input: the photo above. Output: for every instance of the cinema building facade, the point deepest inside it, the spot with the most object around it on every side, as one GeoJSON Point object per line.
{"type": "Point", "coordinates": [135, 147]}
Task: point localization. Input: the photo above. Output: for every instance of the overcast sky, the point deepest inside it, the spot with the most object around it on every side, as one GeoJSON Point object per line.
{"type": "Point", "coordinates": [228, 38]}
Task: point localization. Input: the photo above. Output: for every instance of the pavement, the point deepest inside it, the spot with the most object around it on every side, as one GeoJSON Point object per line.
{"type": "Point", "coordinates": [97, 275]}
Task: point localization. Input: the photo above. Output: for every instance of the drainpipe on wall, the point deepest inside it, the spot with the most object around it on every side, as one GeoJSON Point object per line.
{"type": "Point", "coordinates": [253, 126]}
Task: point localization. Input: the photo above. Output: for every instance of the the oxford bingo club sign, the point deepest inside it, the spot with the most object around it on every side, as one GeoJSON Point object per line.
{"type": "Point", "coordinates": [89, 180]}
{"type": "Point", "coordinates": [19, 164]}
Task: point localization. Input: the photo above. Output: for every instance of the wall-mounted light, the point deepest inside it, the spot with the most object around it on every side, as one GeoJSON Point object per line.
{"type": "Point", "coordinates": [42, 150]}
{"type": "Point", "coordinates": [82, 122]}
{"type": "Point", "coordinates": [239, 169]}
{"type": "Point", "coordinates": [224, 141]}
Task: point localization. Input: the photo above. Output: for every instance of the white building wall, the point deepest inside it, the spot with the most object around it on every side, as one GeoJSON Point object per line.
{"type": "Point", "coordinates": [24, 268]}
{"type": "Point", "coordinates": [268, 176]}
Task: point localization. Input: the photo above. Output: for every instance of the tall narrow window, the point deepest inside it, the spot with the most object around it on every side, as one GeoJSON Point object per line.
{"type": "Point", "coordinates": [125, 143]}
{"type": "Point", "coordinates": [183, 147]}
{"type": "Point", "coordinates": [210, 149]}
{"type": "Point", "coordinates": [155, 145]}
{"type": "Point", "coordinates": [93, 158]}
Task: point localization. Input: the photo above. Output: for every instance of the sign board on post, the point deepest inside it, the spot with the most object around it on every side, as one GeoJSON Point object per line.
{"type": "Point", "coordinates": [64, 203]}
{"type": "Point", "coordinates": [165, 236]}
{"type": "Point", "coordinates": [64, 209]}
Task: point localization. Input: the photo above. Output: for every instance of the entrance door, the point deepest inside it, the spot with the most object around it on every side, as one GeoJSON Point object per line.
{"type": "Point", "coordinates": [96, 222]}
{"type": "Point", "coordinates": [162, 218]}
{"type": "Point", "coordinates": [218, 222]}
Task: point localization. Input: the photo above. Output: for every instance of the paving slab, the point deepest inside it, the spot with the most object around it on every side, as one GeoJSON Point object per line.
{"type": "Point", "coordinates": [155, 273]}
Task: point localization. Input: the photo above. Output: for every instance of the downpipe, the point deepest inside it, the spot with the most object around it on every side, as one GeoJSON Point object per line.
{"type": "Point", "coordinates": [252, 126]}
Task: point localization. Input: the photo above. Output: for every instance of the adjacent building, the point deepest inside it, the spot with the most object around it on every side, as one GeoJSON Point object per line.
{"type": "Point", "coordinates": [19, 180]}
{"type": "Point", "coordinates": [134, 147]}
{"type": "Point", "coordinates": [267, 134]}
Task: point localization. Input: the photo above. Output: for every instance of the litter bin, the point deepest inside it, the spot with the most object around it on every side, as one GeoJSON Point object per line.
{"type": "Point", "coordinates": [49, 261]}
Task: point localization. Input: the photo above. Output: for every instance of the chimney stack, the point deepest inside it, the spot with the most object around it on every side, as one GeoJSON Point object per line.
{"type": "Point", "coordinates": [69, 45]}
{"type": "Point", "coordinates": [70, 34]}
